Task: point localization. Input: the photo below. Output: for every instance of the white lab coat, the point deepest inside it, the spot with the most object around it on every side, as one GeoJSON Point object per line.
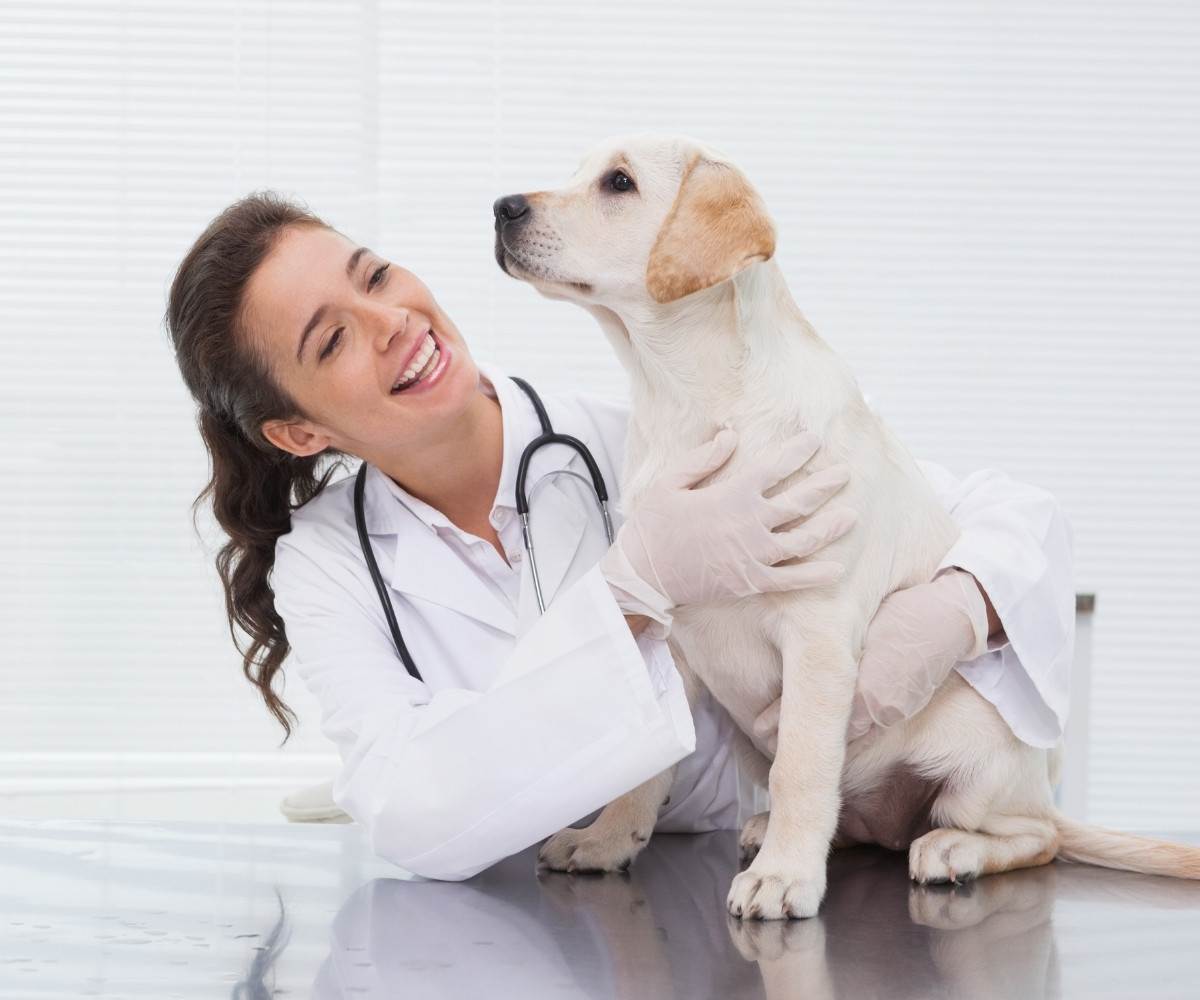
{"type": "Point", "coordinates": [523, 723]}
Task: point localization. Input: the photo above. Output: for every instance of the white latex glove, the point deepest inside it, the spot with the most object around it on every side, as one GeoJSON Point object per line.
{"type": "Point", "coordinates": [687, 544]}
{"type": "Point", "coordinates": [913, 642]}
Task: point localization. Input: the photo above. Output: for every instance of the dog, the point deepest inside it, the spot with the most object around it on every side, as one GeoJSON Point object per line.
{"type": "Point", "coordinates": [667, 244]}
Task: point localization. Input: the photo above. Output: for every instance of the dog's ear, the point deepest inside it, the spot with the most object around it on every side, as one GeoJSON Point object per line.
{"type": "Point", "coordinates": [717, 228]}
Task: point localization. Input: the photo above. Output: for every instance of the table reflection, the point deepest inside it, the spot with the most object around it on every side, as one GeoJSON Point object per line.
{"type": "Point", "coordinates": [661, 931]}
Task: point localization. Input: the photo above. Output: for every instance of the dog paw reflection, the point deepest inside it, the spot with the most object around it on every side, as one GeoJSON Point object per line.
{"type": "Point", "coordinates": [633, 937]}
{"type": "Point", "coordinates": [1013, 901]}
{"type": "Point", "coordinates": [791, 955]}
{"type": "Point", "coordinates": [878, 934]}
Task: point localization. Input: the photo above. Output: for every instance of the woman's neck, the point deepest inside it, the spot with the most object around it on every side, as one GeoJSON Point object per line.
{"type": "Point", "coordinates": [458, 472]}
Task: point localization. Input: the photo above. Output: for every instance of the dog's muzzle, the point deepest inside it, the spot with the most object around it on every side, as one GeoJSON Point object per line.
{"type": "Point", "coordinates": [510, 211]}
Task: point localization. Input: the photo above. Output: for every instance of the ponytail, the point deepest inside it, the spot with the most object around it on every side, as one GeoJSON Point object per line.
{"type": "Point", "coordinates": [253, 494]}
{"type": "Point", "coordinates": [254, 486]}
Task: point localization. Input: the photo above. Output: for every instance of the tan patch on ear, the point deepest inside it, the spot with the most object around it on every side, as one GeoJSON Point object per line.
{"type": "Point", "coordinates": [717, 228]}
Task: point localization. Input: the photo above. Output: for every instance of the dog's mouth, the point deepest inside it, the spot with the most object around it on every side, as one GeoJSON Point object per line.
{"type": "Point", "coordinates": [534, 272]}
{"type": "Point", "coordinates": [508, 261]}
{"type": "Point", "coordinates": [516, 264]}
{"type": "Point", "coordinates": [512, 262]}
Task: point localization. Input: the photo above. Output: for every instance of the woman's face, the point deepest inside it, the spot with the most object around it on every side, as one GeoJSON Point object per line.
{"type": "Point", "coordinates": [361, 346]}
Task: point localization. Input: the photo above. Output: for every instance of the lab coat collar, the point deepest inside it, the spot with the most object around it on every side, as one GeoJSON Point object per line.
{"type": "Point", "coordinates": [419, 550]}
{"type": "Point", "coordinates": [412, 529]}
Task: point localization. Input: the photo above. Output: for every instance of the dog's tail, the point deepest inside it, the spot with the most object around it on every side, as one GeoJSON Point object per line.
{"type": "Point", "coordinates": [1125, 851]}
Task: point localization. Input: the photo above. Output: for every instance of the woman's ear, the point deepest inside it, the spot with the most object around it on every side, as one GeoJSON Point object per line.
{"type": "Point", "coordinates": [298, 437]}
{"type": "Point", "coordinates": [716, 229]}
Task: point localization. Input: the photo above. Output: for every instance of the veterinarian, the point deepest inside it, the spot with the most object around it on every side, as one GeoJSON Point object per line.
{"type": "Point", "coordinates": [298, 344]}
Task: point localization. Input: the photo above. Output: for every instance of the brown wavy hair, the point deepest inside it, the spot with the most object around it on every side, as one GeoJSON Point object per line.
{"type": "Point", "coordinates": [254, 486]}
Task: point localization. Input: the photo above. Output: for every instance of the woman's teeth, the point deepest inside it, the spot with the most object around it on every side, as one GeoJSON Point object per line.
{"type": "Point", "coordinates": [422, 364]}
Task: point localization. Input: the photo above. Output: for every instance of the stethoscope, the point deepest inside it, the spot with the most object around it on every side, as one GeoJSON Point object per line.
{"type": "Point", "coordinates": [547, 436]}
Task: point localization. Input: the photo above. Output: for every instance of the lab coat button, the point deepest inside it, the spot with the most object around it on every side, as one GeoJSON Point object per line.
{"type": "Point", "coordinates": [499, 516]}
{"type": "Point", "coordinates": [514, 556]}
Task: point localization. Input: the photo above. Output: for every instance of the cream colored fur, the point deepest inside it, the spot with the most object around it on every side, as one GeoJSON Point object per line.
{"type": "Point", "coordinates": [679, 271]}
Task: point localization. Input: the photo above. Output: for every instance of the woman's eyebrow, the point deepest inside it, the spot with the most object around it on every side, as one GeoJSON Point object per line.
{"type": "Point", "coordinates": [351, 267]}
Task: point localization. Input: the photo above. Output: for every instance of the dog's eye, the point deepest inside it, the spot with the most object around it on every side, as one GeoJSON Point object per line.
{"type": "Point", "coordinates": [620, 181]}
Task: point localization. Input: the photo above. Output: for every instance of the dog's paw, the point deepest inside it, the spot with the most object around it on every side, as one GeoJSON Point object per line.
{"type": "Point", "coordinates": [765, 892]}
{"type": "Point", "coordinates": [945, 855]}
{"type": "Point", "coordinates": [592, 849]}
{"type": "Point", "coordinates": [751, 840]}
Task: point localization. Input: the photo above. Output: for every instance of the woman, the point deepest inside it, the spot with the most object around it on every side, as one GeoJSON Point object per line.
{"type": "Point", "coordinates": [297, 344]}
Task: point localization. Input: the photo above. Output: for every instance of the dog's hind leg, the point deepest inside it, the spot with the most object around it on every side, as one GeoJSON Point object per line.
{"type": "Point", "coordinates": [951, 855]}
{"type": "Point", "coordinates": [993, 817]}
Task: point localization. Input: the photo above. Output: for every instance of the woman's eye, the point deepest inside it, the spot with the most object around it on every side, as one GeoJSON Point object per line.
{"type": "Point", "coordinates": [621, 182]}
{"type": "Point", "coordinates": [377, 276]}
{"type": "Point", "coordinates": [330, 344]}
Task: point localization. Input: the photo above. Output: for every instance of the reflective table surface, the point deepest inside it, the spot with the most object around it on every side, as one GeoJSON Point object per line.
{"type": "Point", "coordinates": [95, 909]}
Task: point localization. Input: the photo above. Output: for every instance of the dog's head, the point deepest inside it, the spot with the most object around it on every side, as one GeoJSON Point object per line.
{"type": "Point", "coordinates": [645, 216]}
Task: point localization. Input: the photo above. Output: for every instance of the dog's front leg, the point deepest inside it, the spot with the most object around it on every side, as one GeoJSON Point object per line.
{"type": "Point", "coordinates": [615, 837]}
{"type": "Point", "coordinates": [787, 878]}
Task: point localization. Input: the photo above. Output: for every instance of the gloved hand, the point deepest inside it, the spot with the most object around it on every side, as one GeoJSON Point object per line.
{"type": "Point", "coordinates": [912, 644]}
{"type": "Point", "coordinates": [686, 544]}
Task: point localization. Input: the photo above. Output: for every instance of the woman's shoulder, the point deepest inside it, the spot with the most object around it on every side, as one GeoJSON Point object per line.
{"type": "Point", "coordinates": [324, 523]}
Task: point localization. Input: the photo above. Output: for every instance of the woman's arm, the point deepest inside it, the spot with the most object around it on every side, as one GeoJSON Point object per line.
{"type": "Point", "coordinates": [1001, 610]}
{"type": "Point", "coordinates": [1016, 542]}
{"type": "Point", "coordinates": [447, 782]}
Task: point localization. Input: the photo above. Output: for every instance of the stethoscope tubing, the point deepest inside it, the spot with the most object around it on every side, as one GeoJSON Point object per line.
{"type": "Point", "coordinates": [389, 612]}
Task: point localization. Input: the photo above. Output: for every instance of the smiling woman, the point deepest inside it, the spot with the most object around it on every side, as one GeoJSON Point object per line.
{"type": "Point", "coordinates": [378, 371]}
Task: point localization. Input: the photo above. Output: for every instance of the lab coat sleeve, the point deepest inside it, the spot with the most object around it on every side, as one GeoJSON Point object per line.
{"type": "Point", "coordinates": [1015, 540]}
{"type": "Point", "coordinates": [448, 782]}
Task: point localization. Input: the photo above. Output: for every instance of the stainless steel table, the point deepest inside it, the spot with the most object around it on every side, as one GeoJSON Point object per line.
{"type": "Point", "coordinates": [258, 911]}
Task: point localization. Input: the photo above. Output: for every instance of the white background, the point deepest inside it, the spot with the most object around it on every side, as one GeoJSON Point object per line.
{"type": "Point", "coordinates": [992, 209]}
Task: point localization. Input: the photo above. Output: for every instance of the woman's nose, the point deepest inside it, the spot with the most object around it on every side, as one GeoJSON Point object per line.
{"type": "Point", "coordinates": [386, 323]}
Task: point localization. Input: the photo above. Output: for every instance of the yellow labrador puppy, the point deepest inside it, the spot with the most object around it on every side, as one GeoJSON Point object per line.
{"type": "Point", "coordinates": [667, 244]}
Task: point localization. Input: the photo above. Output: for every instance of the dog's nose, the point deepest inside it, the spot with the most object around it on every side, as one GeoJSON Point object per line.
{"type": "Point", "coordinates": [509, 208]}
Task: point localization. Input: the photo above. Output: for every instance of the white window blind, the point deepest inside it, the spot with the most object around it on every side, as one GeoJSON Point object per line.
{"type": "Point", "coordinates": [124, 127]}
{"type": "Point", "coordinates": [992, 210]}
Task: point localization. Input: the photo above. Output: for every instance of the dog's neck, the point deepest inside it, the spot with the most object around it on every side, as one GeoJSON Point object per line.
{"type": "Point", "coordinates": [746, 359]}
{"type": "Point", "coordinates": [741, 336]}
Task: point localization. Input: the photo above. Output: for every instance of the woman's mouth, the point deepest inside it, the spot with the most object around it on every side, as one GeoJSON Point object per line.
{"type": "Point", "coordinates": [423, 364]}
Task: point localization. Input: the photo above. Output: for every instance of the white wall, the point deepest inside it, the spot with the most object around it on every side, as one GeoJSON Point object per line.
{"type": "Point", "coordinates": [992, 210]}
